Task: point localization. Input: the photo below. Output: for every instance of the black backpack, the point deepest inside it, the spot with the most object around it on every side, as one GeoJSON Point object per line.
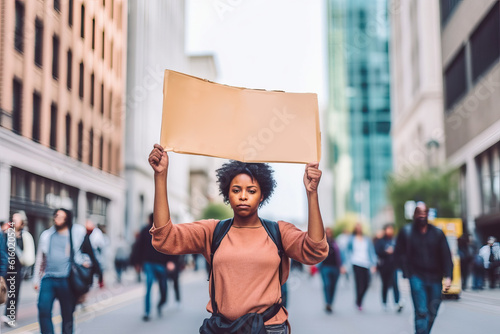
{"type": "Point", "coordinates": [223, 227]}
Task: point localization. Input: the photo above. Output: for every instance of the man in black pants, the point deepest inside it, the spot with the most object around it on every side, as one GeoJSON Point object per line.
{"type": "Point", "coordinates": [384, 248]}
{"type": "Point", "coordinates": [425, 256]}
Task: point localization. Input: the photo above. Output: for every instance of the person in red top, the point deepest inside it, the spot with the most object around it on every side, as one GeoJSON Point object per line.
{"type": "Point", "coordinates": [246, 266]}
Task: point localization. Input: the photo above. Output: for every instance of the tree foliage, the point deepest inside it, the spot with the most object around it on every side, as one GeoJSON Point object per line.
{"type": "Point", "coordinates": [216, 211]}
{"type": "Point", "coordinates": [347, 223]}
{"type": "Point", "coordinates": [438, 189]}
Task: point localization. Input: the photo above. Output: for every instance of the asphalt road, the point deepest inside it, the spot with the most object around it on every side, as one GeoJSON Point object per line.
{"type": "Point", "coordinates": [119, 309]}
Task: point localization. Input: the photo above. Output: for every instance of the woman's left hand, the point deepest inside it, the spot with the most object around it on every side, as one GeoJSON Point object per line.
{"type": "Point", "coordinates": [312, 176]}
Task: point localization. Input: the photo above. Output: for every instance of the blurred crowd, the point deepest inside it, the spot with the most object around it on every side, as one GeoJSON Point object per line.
{"type": "Point", "coordinates": [352, 255]}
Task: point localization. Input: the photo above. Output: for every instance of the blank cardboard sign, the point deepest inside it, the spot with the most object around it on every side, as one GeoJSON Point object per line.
{"type": "Point", "coordinates": [249, 125]}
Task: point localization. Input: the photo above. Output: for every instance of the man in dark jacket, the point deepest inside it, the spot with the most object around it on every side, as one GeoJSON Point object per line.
{"type": "Point", "coordinates": [384, 247]}
{"type": "Point", "coordinates": [154, 265]}
{"type": "Point", "coordinates": [425, 251]}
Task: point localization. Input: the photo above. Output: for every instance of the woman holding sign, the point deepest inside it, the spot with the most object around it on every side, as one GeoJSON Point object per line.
{"type": "Point", "coordinates": [249, 256]}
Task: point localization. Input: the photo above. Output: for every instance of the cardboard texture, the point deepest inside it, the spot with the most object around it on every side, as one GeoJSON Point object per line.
{"type": "Point", "coordinates": [249, 125]}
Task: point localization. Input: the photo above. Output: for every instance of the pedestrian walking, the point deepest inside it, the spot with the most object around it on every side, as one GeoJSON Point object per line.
{"type": "Point", "coordinates": [52, 269]}
{"type": "Point", "coordinates": [342, 241]}
{"type": "Point", "coordinates": [384, 248]}
{"type": "Point", "coordinates": [154, 265]}
{"type": "Point", "coordinates": [490, 253]}
{"type": "Point", "coordinates": [466, 254]}
{"type": "Point", "coordinates": [252, 262]}
{"type": "Point", "coordinates": [424, 255]}
{"type": "Point", "coordinates": [23, 246]}
{"type": "Point", "coordinates": [174, 267]}
{"type": "Point", "coordinates": [122, 256]}
{"type": "Point", "coordinates": [330, 270]}
{"type": "Point", "coordinates": [363, 259]}
{"type": "Point", "coordinates": [96, 239]}
{"type": "Point", "coordinates": [4, 260]}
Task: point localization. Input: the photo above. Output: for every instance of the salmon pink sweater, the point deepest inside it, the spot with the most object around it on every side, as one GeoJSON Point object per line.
{"type": "Point", "coordinates": [246, 264]}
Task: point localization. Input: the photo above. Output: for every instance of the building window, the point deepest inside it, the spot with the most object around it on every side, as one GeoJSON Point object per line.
{"type": "Point", "coordinates": [68, 134]}
{"type": "Point", "coordinates": [102, 99]}
{"type": "Point", "coordinates": [447, 8]}
{"type": "Point", "coordinates": [383, 128]}
{"type": "Point", "coordinates": [38, 42]}
{"type": "Point", "coordinates": [80, 86]}
{"type": "Point", "coordinates": [455, 79]}
{"type": "Point", "coordinates": [57, 5]}
{"type": "Point", "coordinates": [17, 94]}
{"type": "Point", "coordinates": [486, 183]}
{"type": "Point", "coordinates": [110, 157]}
{"type": "Point", "coordinates": [53, 126]}
{"type": "Point", "coordinates": [97, 207]}
{"type": "Point", "coordinates": [19, 29]}
{"type": "Point", "coordinates": [69, 64]}
{"type": "Point", "coordinates": [82, 22]}
{"type": "Point", "coordinates": [92, 89]}
{"type": "Point", "coordinates": [103, 42]}
{"type": "Point", "coordinates": [366, 128]}
{"type": "Point", "coordinates": [101, 153]}
{"type": "Point", "coordinates": [70, 13]}
{"type": "Point", "coordinates": [93, 33]}
{"type": "Point", "coordinates": [111, 56]}
{"type": "Point", "coordinates": [110, 110]}
{"type": "Point", "coordinates": [91, 147]}
{"type": "Point", "coordinates": [496, 177]}
{"type": "Point", "coordinates": [55, 57]}
{"type": "Point", "coordinates": [37, 103]}
{"type": "Point", "coordinates": [485, 43]}
{"type": "Point", "coordinates": [80, 141]}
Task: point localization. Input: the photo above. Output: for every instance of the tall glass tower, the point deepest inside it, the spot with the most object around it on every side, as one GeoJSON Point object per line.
{"type": "Point", "coordinates": [359, 119]}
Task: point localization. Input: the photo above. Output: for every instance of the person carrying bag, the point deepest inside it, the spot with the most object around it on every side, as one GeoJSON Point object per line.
{"type": "Point", "coordinates": [249, 266]}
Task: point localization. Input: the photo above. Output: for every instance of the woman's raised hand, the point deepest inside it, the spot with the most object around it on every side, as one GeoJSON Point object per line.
{"type": "Point", "coordinates": [312, 176]}
{"type": "Point", "coordinates": [158, 159]}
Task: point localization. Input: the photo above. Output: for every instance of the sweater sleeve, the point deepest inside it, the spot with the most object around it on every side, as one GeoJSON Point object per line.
{"type": "Point", "coordinates": [189, 238]}
{"type": "Point", "coordinates": [300, 247]}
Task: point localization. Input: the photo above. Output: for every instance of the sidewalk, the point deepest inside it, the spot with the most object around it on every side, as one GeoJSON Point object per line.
{"type": "Point", "coordinates": [98, 301]}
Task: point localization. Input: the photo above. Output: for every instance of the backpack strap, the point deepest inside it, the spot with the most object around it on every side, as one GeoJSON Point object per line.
{"type": "Point", "coordinates": [273, 230]}
{"type": "Point", "coordinates": [220, 232]}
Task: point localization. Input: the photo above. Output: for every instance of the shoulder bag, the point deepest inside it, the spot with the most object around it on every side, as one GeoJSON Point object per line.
{"type": "Point", "coordinates": [80, 276]}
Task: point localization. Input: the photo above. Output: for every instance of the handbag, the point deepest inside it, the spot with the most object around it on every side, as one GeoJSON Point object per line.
{"type": "Point", "coordinates": [80, 276]}
{"type": "Point", "coordinates": [250, 323]}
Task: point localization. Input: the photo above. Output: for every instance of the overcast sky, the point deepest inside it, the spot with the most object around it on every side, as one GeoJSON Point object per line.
{"type": "Point", "coordinates": [272, 44]}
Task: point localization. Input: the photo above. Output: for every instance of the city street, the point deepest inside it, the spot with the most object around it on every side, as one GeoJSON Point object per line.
{"type": "Point", "coordinates": [119, 310]}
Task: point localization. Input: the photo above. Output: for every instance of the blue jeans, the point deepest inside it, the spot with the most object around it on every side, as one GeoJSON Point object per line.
{"type": "Point", "coordinates": [50, 289]}
{"type": "Point", "coordinates": [426, 300]}
{"type": "Point", "coordinates": [154, 271]}
{"type": "Point", "coordinates": [330, 276]}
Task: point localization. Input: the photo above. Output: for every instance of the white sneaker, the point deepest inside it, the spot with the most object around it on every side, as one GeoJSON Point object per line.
{"type": "Point", "coordinates": [177, 305]}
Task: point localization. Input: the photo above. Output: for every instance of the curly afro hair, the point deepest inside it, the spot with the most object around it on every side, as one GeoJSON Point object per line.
{"type": "Point", "coordinates": [261, 172]}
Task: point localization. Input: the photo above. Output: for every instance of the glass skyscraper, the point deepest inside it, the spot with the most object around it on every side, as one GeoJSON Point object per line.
{"type": "Point", "coordinates": [359, 118]}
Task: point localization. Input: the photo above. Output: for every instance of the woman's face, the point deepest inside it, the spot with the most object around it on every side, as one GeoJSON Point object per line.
{"type": "Point", "coordinates": [60, 218]}
{"type": "Point", "coordinates": [358, 229]}
{"type": "Point", "coordinates": [244, 195]}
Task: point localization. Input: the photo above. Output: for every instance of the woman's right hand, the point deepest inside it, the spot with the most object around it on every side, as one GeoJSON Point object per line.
{"type": "Point", "coordinates": [158, 159]}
